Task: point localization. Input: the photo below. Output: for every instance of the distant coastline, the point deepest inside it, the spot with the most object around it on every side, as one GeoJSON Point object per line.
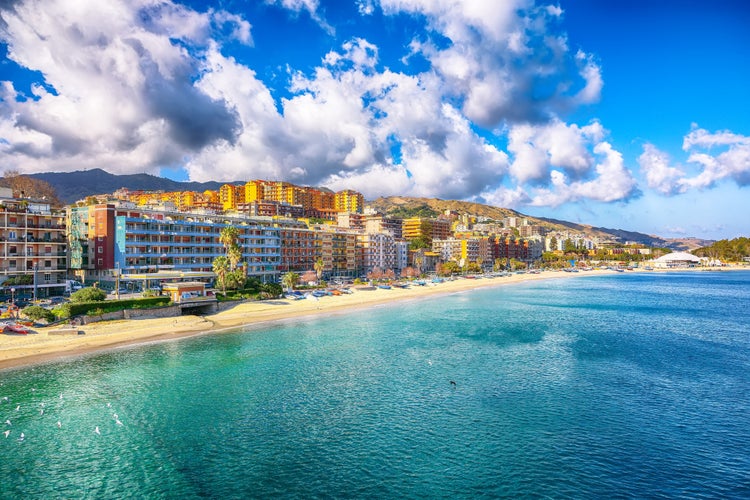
{"type": "Point", "coordinates": [47, 346]}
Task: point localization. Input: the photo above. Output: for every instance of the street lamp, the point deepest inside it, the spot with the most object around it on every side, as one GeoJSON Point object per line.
{"type": "Point", "coordinates": [12, 300]}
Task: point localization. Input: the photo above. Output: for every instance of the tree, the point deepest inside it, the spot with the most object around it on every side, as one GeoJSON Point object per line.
{"type": "Point", "coordinates": [419, 243]}
{"type": "Point", "coordinates": [88, 294]}
{"type": "Point", "coordinates": [450, 267]}
{"type": "Point", "coordinates": [229, 237]}
{"type": "Point", "coordinates": [36, 313]}
{"type": "Point", "coordinates": [289, 280]}
{"type": "Point", "coordinates": [319, 266]}
{"type": "Point", "coordinates": [271, 290]}
{"type": "Point", "coordinates": [221, 268]}
{"type": "Point", "coordinates": [309, 277]}
{"type": "Point", "coordinates": [418, 261]}
{"type": "Point", "coordinates": [28, 187]}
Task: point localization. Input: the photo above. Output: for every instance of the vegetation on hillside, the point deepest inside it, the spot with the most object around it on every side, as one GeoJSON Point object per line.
{"type": "Point", "coordinates": [404, 212]}
{"type": "Point", "coordinates": [24, 186]}
{"type": "Point", "coordinates": [727, 250]}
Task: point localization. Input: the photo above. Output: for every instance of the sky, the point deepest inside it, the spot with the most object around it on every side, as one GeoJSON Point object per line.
{"type": "Point", "coordinates": [624, 114]}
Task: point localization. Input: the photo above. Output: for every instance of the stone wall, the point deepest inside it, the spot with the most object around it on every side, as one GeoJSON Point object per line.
{"type": "Point", "coordinates": [156, 312]}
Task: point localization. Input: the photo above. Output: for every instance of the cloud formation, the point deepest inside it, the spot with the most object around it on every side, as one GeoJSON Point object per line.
{"type": "Point", "coordinates": [141, 86]}
{"type": "Point", "coordinates": [713, 157]}
{"type": "Point", "coordinates": [117, 89]}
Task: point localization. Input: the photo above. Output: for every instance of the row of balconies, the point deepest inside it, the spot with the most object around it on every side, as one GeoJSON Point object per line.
{"type": "Point", "coordinates": [32, 254]}
{"type": "Point", "coordinates": [22, 225]}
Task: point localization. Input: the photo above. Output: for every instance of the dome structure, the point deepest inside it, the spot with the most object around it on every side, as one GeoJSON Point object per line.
{"type": "Point", "coordinates": [677, 259]}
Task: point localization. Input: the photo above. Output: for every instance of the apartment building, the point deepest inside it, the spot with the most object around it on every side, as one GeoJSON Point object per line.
{"type": "Point", "coordinates": [378, 251]}
{"type": "Point", "coordinates": [376, 223]}
{"type": "Point", "coordinates": [349, 201]}
{"type": "Point", "coordinates": [429, 229]}
{"type": "Point", "coordinates": [134, 240]}
{"type": "Point", "coordinates": [299, 250]}
{"type": "Point", "coordinates": [33, 247]}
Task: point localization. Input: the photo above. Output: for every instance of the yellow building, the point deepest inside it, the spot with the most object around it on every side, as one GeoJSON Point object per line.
{"type": "Point", "coordinates": [349, 201]}
{"type": "Point", "coordinates": [230, 196]}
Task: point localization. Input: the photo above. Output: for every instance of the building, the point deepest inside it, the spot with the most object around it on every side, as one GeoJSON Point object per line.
{"type": "Point", "coordinates": [120, 238]}
{"type": "Point", "coordinates": [299, 251]}
{"type": "Point", "coordinates": [676, 259]}
{"type": "Point", "coordinates": [379, 251]}
{"type": "Point", "coordinates": [349, 201]}
{"type": "Point", "coordinates": [376, 223]}
{"type": "Point", "coordinates": [338, 251]}
{"type": "Point", "coordinates": [351, 220]}
{"type": "Point", "coordinates": [427, 229]}
{"type": "Point", "coordinates": [33, 248]}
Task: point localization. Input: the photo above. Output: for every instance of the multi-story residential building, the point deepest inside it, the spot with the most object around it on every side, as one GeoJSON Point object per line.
{"type": "Point", "coordinates": [298, 249]}
{"type": "Point", "coordinates": [338, 251]}
{"type": "Point", "coordinates": [33, 247]}
{"type": "Point", "coordinates": [379, 251]}
{"type": "Point", "coordinates": [351, 220]}
{"type": "Point", "coordinates": [508, 247]}
{"type": "Point", "coordinates": [464, 250]}
{"type": "Point", "coordinates": [349, 201]}
{"type": "Point", "coordinates": [402, 256]}
{"type": "Point", "coordinates": [231, 196]}
{"type": "Point", "coordinates": [531, 230]}
{"type": "Point", "coordinates": [271, 209]}
{"type": "Point", "coordinates": [377, 223]}
{"type": "Point", "coordinates": [429, 229]}
{"type": "Point", "coordinates": [110, 237]}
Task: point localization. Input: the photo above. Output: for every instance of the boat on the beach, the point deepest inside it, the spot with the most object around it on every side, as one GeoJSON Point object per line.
{"type": "Point", "coordinates": [15, 328]}
{"type": "Point", "coordinates": [384, 287]}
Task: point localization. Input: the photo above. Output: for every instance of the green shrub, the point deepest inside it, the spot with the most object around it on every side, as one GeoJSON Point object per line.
{"type": "Point", "coordinates": [37, 313]}
{"type": "Point", "coordinates": [89, 294]}
{"type": "Point", "coordinates": [95, 308]}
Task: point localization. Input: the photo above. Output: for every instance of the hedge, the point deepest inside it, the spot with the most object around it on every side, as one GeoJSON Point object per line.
{"type": "Point", "coordinates": [71, 309]}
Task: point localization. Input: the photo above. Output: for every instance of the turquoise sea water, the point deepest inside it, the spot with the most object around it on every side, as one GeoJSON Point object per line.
{"type": "Point", "coordinates": [633, 385]}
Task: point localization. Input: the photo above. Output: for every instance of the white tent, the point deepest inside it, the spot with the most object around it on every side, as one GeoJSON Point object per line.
{"type": "Point", "coordinates": [677, 259]}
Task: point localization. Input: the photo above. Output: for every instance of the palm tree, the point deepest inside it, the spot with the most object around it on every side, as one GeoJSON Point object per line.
{"type": "Point", "coordinates": [319, 266]}
{"type": "Point", "coordinates": [229, 236]}
{"type": "Point", "coordinates": [418, 264]}
{"type": "Point", "coordinates": [221, 268]}
{"type": "Point", "coordinates": [289, 280]}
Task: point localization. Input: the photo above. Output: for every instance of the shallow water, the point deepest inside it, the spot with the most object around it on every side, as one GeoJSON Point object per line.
{"type": "Point", "coordinates": [632, 385]}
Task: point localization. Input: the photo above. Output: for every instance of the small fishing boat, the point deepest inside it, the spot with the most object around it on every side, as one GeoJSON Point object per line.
{"type": "Point", "coordinates": [15, 328]}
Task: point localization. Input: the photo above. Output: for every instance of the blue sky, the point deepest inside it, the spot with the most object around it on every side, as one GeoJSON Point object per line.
{"type": "Point", "coordinates": [620, 114]}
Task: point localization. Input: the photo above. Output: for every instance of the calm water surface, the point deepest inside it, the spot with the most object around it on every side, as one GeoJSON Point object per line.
{"type": "Point", "coordinates": [633, 385]}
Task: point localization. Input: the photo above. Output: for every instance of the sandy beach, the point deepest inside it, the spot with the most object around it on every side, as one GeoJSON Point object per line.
{"type": "Point", "coordinates": [47, 344]}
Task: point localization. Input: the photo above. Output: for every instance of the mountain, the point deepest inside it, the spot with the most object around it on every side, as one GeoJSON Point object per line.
{"type": "Point", "coordinates": [398, 204]}
{"type": "Point", "coordinates": [74, 186]}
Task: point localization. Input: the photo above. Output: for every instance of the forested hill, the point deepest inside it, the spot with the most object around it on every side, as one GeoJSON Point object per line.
{"type": "Point", "coordinates": [727, 250]}
{"type": "Point", "coordinates": [74, 186]}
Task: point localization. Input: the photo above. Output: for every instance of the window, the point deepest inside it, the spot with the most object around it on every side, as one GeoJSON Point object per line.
{"type": "Point", "coordinates": [47, 264]}
{"type": "Point", "coordinates": [99, 249]}
{"type": "Point", "coordinates": [99, 262]}
{"type": "Point", "coordinates": [12, 235]}
{"type": "Point", "coordinates": [47, 277]}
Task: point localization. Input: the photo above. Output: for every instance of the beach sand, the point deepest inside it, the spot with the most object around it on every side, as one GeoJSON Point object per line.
{"type": "Point", "coordinates": [47, 344]}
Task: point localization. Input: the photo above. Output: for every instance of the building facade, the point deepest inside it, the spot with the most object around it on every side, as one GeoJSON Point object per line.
{"type": "Point", "coordinates": [33, 248]}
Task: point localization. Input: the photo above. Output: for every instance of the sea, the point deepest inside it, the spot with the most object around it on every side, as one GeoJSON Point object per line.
{"type": "Point", "coordinates": [633, 385]}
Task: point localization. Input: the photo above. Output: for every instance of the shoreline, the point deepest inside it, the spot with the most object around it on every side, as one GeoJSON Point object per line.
{"type": "Point", "coordinates": [45, 347]}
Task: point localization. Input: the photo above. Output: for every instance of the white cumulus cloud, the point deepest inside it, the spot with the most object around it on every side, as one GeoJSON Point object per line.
{"type": "Point", "coordinates": [713, 157]}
